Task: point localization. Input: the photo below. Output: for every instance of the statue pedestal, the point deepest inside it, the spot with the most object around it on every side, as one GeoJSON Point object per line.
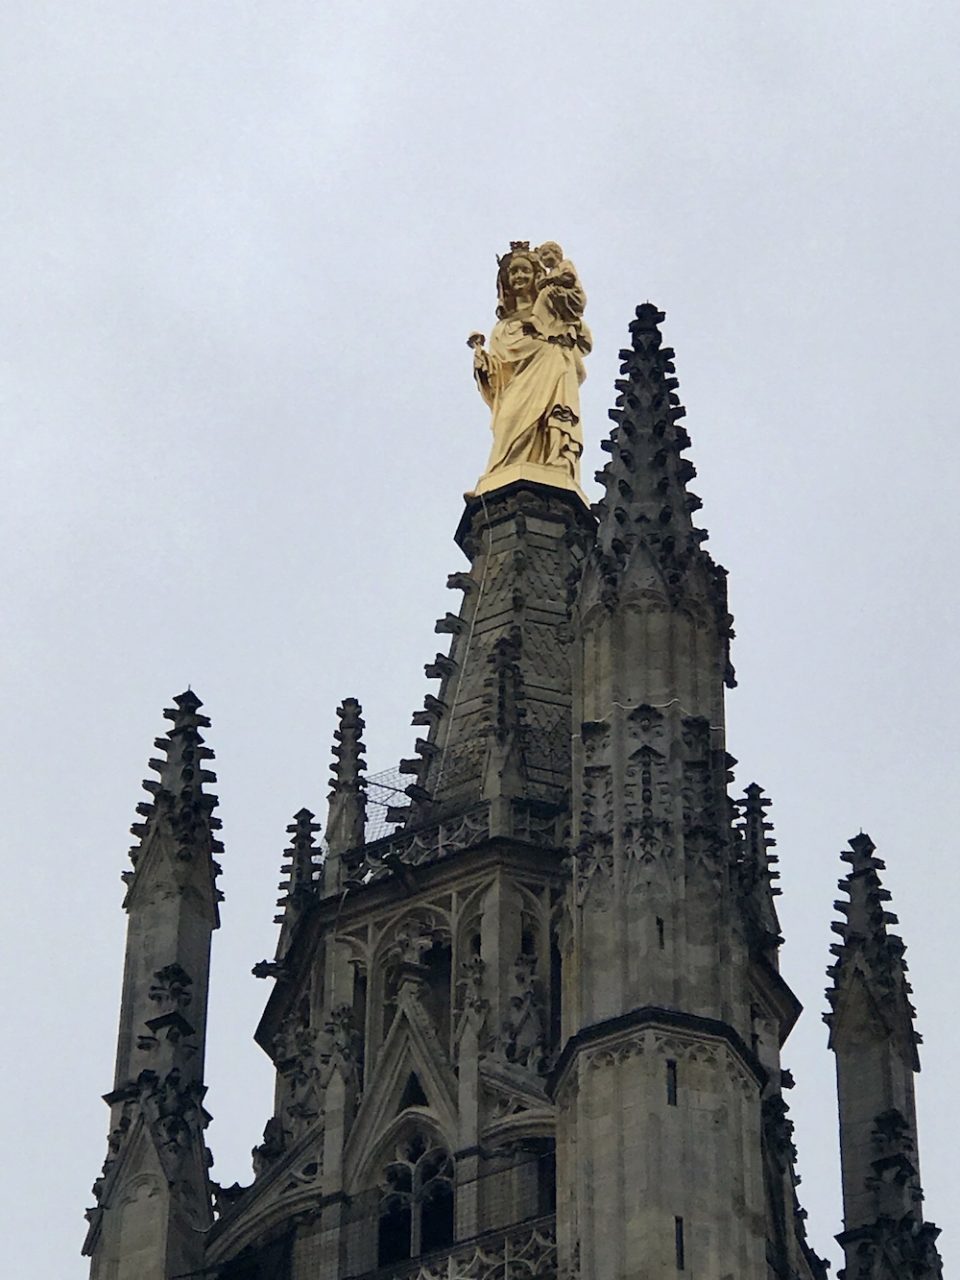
{"type": "Point", "coordinates": [553, 477]}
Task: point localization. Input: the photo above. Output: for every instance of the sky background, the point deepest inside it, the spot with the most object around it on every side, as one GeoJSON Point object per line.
{"type": "Point", "coordinates": [242, 247]}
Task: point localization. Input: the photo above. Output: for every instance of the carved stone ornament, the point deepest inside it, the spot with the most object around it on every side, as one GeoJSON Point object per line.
{"type": "Point", "coordinates": [114, 1143]}
{"type": "Point", "coordinates": [172, 1108]}
{"type": "Point", "coordinates": [529, 1250]}
{"type": "Point", "coordinates": [904, 1250]}
{"type": "Point", "coordinates": [296, 1054]}
{"type": "Point", "coordinates": [523, 1038]}
{"type": "Point", "coordinates": [592, 866]}
{"type": "Point", "coordinates": [171, 986]}
{"type": "Point", "coordinates": [445, 839]}
{"type": "Point", "coordinates": [473, 1004]}
{"type": "Point", "coordinates": [272, 1147]}
{"type": "Point", "coordinates": [340, 1046]}
{"type": "Point", "coordinates": [413, 940]}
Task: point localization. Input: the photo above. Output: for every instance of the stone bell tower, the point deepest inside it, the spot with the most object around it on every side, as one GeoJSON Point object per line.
{"type": "Point", "coordinates": [526, 1014]}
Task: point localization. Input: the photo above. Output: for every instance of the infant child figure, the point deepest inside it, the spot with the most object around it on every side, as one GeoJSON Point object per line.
{"type": "Point", "coordinates": [558, 310]}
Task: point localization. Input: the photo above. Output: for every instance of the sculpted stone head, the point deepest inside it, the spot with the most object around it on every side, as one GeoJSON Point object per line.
{"type": "Point", "coordinates": [518, 277]}
{"type": "Point", "coordinates": [550, 254]}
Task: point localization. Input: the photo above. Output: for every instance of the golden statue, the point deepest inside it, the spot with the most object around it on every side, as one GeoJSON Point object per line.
{"type": "Point", "coordinates": [531, 374]}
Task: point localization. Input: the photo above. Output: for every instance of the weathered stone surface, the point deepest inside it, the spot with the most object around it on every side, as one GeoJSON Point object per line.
{"type": "Point", "coordinates": [153, 1198]}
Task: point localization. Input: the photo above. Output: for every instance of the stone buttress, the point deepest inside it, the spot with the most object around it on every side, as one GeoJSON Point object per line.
{"type": "Point", "coordinates": [153, 1198]}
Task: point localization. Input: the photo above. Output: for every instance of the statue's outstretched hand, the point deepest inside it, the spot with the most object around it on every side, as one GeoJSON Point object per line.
{"type": "Point", "coordinates": [476, 341]}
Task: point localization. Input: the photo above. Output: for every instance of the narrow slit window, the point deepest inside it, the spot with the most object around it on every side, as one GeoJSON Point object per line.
{"type": "Point", "coordinates": [671, 1083]}
{"type": "Point", "coordinates": [660, 934]}
{"type": "Point", "coordinates": [678, 1240]}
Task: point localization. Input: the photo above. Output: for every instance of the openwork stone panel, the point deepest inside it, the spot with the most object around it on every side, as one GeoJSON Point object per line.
{"type": "Point", "coordinates": [527, 1250]}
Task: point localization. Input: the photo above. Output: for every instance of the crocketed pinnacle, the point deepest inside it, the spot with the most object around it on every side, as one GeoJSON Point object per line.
{"type": "Point", "coordinates": [867, 948]}
{"type": "Point", "coordinates": [646, 500]}
{"type": "Point", "coordinates": [299, 870]}
{"type": "Point", "coordinates": [885, 1235]}
{"type": "Point", "coordinates": [180, 813]}
{"type": "Point", "coordinates": [757, 867]}
{"type": "Point", "coordinates": [298, 889]}
{"type": "Point", "coordinates": [347, 815]}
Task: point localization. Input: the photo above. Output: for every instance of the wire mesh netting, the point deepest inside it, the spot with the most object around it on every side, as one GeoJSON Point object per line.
{"type": "Point", "coordinates": [383, 789]}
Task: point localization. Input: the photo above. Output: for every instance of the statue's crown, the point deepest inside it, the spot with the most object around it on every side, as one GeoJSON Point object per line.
{"type": "Point", "coordinates": [516, 246]}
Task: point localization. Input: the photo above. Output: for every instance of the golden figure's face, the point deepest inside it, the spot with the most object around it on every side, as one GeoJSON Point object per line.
{"type": "Point", "coordinates": [520, 276]}
{"type": "Point", "coordinates": [550, 255]}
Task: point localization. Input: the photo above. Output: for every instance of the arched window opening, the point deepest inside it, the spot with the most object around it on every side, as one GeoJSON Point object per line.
{"type": "Point", "coordinates": [435, 1172]}
{"type": "Point", "coordinates": [417, 1202]}
{"type": "Point", "coordinates": [393, 1243]}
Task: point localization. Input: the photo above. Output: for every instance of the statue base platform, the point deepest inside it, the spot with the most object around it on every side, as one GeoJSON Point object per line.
{"type": "Point", "coordinates": [536, 472]}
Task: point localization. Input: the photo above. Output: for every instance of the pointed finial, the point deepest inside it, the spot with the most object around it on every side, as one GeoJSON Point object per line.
{"type": "Point", "coordinates": [348, 761]}
{"type": "Point", "coordinates": [180, 811]}
{"type": "Point", "coordinates": [301, 868]}
{"type": "Point", "coordinates": [758, 872]}
{"type": "Point", "coordinates": [646, 500]}
{"type": "Point", "coordinates": [646, 541]}
{"type": "Point", "coordinates": [866, 946]}
{"type": "Point", "coordinates": [300, 885]}
{"type": "Point", "coordinates": [347, 815]}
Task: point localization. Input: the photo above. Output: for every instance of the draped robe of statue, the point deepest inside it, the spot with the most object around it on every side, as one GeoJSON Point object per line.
{"type": "Point", "coordinates": [531, 386]}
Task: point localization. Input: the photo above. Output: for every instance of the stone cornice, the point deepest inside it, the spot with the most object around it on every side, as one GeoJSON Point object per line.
{"type": "Point", "coordinates": [652, 1016]}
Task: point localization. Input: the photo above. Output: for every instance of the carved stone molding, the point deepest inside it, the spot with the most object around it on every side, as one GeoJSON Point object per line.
{"type": "Point", "coordinates": [892, 1250]}
{"type": "Point", "coordinates": [527, 1251]}
{"type": "Point", "coordinates": [593, 866]}
{"type": "Point", "coordinates": [613, 1055]}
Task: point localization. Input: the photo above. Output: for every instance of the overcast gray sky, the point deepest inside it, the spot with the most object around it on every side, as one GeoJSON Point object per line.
{"type": "Point", "coordinates": [242, 246]}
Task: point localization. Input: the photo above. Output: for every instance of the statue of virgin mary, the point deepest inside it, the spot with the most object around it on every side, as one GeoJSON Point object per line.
{"type": "Point", "coordinates": [530, 376]}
